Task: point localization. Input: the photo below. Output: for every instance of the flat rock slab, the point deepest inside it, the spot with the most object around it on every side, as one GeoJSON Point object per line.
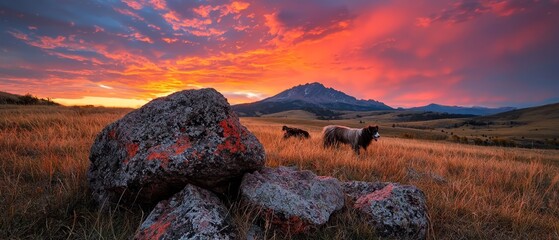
{"type": "Point", "coordinates": [191, 136]}
{"type": "Point", "coordinates": [294, 201]}
{"type": "Point", "coordinates": [193, 213]}
{"type": "Point", "coordinates": [393, 210]}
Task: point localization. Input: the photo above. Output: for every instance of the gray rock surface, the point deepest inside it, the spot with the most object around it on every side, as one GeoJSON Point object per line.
{"type": "Point", "coordinates": [193, 213]}
{"type": "Point", "coordinates": [255, 232]}
{"type": "Point", "coordinates": [191, 136]}
{"type": "Point", "coordinates": [357, 189]}
{"type": "Point", "coordinates": [294, 201]}
{"type": "Point", "coordinates": [393, 210]}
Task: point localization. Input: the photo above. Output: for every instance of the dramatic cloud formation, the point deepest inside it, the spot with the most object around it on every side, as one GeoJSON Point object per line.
{"type": "Point", "coordinates": [404, 53]}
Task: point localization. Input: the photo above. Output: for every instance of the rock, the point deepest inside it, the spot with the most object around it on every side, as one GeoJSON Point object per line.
{"type": "Point", "coordinates": [193, 213]}
{"type": "Point", "coordinates": [255, 232]}
{"type": "Point", "coordinates": [191, 136]}
{"type": "Point", "coordinates": [294, 201]}
{"type": "Point", "coordinates": [393, 210]}
{"type": "Point", "coordinates": [357, 189]}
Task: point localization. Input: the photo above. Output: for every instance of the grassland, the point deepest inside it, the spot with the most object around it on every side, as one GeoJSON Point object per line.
{"type": "Point", "coordinates": [534, 127]}
{"type": "Point", "coordinates": [488, 192]}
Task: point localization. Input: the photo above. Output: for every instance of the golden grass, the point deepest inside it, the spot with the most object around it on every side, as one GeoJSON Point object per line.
{"type": "Point", "coordinates": [491, 192]}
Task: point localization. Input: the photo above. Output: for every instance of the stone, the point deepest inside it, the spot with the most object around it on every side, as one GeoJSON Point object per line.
{"type": "Point", "coordinates": [293, 201]}
{"type": "Point", "coordinates": [394, 210]}
{"type": "Point", "coordinates": [255, 232]}
{"type": "Point", "coordinates": [357, 189]}
{"type": "Point", "coordinates": [151, 153]}
{"type": "Point", "coordinates": [193, 213]}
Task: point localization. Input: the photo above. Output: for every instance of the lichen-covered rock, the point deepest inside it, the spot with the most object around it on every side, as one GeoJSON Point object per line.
{"type": "Point", "coordinates": [393, 210]}
{"type": "Point", "coordinates": [193, 213]}
{"type": "Point", "coordinates": [255, 232]}
{"type": "Point", "coordinates": [191, 136]}
{"type": "Point", "coordinates": [357, 189]}
{"type": "Point", "coordinates": [295, 201]}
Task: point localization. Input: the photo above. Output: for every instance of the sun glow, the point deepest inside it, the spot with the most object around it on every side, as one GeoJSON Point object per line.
{"type": "Point", "coordinates": [102, 101]}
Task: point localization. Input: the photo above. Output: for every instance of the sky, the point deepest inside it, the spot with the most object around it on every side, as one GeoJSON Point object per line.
{"type": "Point", "coordinates": [404, 53]}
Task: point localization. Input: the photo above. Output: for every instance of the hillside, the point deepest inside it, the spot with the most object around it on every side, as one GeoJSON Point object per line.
{"type": "Point", "coordinates": [548, 112]}
{"type": "Point", "coordinates": [28, 99]}
{"type": "Point", "coordinates": [462, 110]}
{"type": "Point", "coordinates": [311, 97]}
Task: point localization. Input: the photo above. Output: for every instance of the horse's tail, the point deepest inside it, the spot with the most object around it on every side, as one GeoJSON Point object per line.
{"type": "Point", "coordinates": [329, 135]}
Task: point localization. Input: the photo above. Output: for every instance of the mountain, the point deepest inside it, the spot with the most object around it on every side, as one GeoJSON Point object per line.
{"type": "Point", "coordinates": [27, 99]}
{"type": "Point", "coordinates": [480, 111]}
{"type": "Point", "coordinates": [311, 97]}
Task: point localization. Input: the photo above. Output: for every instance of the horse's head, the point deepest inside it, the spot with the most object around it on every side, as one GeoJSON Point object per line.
{"type": "Point", "coordinates": [373, 131]}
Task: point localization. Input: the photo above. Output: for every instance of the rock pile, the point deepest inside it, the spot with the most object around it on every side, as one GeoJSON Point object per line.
{"type": "Point", "coordinates": [182, 151]}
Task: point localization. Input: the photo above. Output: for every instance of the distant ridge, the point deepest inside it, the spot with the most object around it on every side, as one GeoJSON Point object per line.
{"type": "Point", "coordinates": [311, 97]}
{"type": "Point", "coordinates": [27, 99]}
{"type": "Point", "coordinates": [479, 111]}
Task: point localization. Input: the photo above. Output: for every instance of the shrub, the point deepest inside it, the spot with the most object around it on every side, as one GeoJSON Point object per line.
{"type": "Point", "coordinates": [478, 141]}
{"type": "Point", "coordinates": [455, 138]}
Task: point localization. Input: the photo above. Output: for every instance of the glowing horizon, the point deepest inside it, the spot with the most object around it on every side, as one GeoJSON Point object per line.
{"type": "Point", "coordinates": [405, 54]}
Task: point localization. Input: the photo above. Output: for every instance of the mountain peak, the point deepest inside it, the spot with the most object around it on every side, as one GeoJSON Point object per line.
{"type": "Point", "coordinates": [312, 92]}
{"type": "Point", "coordinates": [317, 84]}
{"type": "Point", "coordinates": [316, 96]}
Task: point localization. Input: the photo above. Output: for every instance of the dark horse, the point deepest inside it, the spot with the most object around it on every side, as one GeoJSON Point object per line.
{"type": "Point", "coordinates": [356, 137]}
{"type": "Point", "coordinates": [294, 132]}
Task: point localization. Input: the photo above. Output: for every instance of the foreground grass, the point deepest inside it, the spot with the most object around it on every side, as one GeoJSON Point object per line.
{"type": "Point", "coordinates": [490, 192]}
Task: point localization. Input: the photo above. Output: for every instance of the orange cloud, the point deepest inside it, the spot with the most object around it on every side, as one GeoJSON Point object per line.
{"type": "Point", "coordinates": [402, 53]}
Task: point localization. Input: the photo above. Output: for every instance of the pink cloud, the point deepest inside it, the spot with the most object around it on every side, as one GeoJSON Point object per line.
{"type": "Point", "coordinates": [136, 5]}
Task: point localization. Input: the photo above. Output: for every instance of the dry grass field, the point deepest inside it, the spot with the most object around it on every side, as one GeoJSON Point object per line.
{"type": "Point", "coordinates": [487, 192]}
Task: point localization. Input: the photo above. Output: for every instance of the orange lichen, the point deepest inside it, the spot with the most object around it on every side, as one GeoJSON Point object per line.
{"type": "Point", "coordinates": [181, 145]}
{"type": "Point", "coordinates": [131, 150]}
{"type": "Point", "coordinates": [112, 134]}
{"type": "Point", "coordinates": [374, 196]}
{"type": "Point", "coordinates": [163, 153]}
{"type": "Point", "coordinates": [157, 229]}
{"type": "Point", "coordinates": [232, 135]}
{"type": "Point", "coordinates": [162, 156]}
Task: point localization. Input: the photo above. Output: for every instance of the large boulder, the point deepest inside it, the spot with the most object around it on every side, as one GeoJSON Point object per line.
{"type": "Point", "coordinates": [294, 201]}
{"type": "Point", "coordinates": [191, 136]}
{"type": "Point", "coordinates": [393, 210]}
{"type": "Point", "coordinates": [193, 213]}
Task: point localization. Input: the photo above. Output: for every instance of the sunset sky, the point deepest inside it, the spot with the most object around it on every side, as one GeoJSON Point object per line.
{"type": "Point", "coordinates": [403, 53]}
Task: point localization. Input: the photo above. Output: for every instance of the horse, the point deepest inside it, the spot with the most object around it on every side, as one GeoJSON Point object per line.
{"type": "Point", "coordinates": [358, 138]}
{"type": "Point", "coordinates": [294, 132]}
